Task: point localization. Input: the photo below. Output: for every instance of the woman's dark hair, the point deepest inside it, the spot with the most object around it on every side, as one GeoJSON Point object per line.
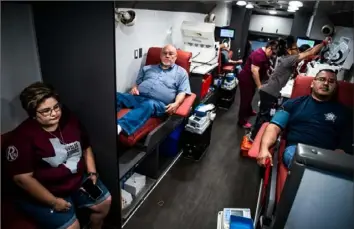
{"type": "Point", "coordinates": [285, 44]}
{"type": "Point", "coordinates": [35, 94]}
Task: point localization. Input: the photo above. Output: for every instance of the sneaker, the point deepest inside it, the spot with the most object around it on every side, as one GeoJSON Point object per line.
{"type": "Point", "coordinates": [245, 146]}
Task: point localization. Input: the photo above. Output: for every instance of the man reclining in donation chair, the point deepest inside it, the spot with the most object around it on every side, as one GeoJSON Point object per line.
{"type": "Point", "coordinates": [317, 119]}
{"type": "Point", "coordinates": [162, 87]}
{"type": "Point", "coordinates": [321, 119]}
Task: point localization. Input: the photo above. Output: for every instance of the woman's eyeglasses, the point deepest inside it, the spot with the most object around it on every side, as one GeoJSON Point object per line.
{"type": "Point", "coordinates": [48, 111]}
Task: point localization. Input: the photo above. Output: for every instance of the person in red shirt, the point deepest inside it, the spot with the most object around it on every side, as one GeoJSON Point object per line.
{"type": "Point", "coordinates": [250, 78]}
{"type": "Point", "coordinates": [48, 157]}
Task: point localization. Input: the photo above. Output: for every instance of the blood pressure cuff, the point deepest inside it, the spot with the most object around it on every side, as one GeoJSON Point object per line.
{"type": "Point", "coordinates": [280, 118]}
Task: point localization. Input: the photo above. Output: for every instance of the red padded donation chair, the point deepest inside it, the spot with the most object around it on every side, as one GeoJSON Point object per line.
{"type": "Point", "coordinates": [275, 177]}
{"type": "Point", "coordinates": [11, 218]}
{"type": "Point", "coordinates": [153, 57]}
{"type": "Point", "coordinates": [225, 68]}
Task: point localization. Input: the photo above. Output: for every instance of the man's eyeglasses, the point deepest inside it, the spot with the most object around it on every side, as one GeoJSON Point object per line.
{"type": "Point", "coordinates": [324, 79]}
{"type": "Point", "coordinates": [168, 53]}
{"type": "Point", "coordinates": [48, 111]}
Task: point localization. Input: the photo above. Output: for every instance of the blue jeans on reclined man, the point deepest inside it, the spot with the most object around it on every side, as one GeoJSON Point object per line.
{"type": "Point", "coordinates": [142, 109]}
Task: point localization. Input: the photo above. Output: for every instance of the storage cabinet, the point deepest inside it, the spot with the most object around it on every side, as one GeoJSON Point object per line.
{"type": "Point", "coordinates": [270, 24]}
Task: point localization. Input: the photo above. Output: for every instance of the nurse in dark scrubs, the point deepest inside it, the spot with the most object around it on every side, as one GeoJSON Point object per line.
{"type": "Point", "coordinates": [269, 93]}
{"type": "Point", "coordinates": [250, 78]}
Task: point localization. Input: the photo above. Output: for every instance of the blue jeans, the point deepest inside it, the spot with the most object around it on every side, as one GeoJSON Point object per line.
{"type": "Point", "coordinates": [47, 218]}
{"type": "Point", "coordinates": [288, 155]}
{"type": "Point", "coordinates": [142, 109]}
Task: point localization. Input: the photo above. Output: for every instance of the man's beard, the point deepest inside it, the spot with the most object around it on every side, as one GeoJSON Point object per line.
{"type": "Point", "coordinates": [166, 65]}
{"type": "Point", "coordinates": [323, 97]}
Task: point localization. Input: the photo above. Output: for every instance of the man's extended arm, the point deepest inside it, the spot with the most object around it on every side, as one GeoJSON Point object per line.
{"type": "Point", "coordinates": [278, 122]}
{"type": "Point", "coordinates": [255, 75]}
{"type": "Point", "coordinates": [180, 97]}
{"type": "Point", "coordinates": [313, 51]}
{"type": "Point", "coordinates": [268, 139]}
{"type": "Point", "coordinates": [235, 61]}
{"type": "Point", "coordinates": [270, 136]}
{"type": "Point", "coordinates": [172, 107]}
{"type": "Point", "coordinates": [183, 89]}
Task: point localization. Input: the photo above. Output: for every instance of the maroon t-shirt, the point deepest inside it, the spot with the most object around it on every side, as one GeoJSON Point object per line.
{"type": "Point", "coordinates": [56, 163]}
{"type": "Point", "coordinates": [259, 59]}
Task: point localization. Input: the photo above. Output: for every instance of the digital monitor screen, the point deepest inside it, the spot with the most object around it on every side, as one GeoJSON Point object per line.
{"type": "Point", "coordinates": [301, 41]}
{"type": "Point", "coordinates": [227, 33]}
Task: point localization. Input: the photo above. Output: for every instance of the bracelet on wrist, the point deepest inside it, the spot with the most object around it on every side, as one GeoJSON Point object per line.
{"type": "Point", "coordinates": [53, 203]}
{"type": "Point", "coordinates": [324, 43]}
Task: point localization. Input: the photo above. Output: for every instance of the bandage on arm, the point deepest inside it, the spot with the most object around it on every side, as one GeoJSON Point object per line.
{"type": "Point", "coordinates": [280, 118]}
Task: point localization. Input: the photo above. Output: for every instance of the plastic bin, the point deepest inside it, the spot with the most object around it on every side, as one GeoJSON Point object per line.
{"type": "Point", "coordinates": [170, 147]}
{"type": "Point", "coordinates": [238, 222]}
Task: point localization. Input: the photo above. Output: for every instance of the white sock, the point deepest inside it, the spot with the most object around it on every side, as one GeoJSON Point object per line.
{"type": "Point", "coordinates": [119, 129]}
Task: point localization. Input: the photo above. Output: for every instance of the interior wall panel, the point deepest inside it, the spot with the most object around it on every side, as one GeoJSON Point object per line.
{"type": "Point", "coordinates": [76, 45]}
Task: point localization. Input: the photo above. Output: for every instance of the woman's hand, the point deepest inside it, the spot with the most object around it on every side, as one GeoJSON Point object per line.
{"type": "Point", "coordinates": [61, 205]}
{"type": "Point", "coordinates": [327, 40]}
{"type": "Point", "coordinates": [93, 177]}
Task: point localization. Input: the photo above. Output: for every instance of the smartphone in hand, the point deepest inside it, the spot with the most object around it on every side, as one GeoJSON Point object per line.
{"type": "Point", "coordinates": [92, 190]}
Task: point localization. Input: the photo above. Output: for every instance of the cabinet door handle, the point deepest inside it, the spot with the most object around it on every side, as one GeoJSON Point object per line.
{"type": "Point", "coordinates": [276, 31]}
{"type": "Point", "coordinates": [262, 29]}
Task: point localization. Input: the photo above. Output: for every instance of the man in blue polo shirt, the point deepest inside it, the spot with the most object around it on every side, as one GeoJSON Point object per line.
{"type": "Point", "coordinates": [159, 89]}
{"type": "Point", "coordinates": [317, 120]}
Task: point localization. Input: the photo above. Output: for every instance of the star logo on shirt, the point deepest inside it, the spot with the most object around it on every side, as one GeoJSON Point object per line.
{"type": "Point", "coordinates": [69, 155]}
{"type": "Point", "coordinates": [330, 117]}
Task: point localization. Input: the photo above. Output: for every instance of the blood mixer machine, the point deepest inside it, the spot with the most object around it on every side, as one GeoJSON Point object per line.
{"type": "Point", "coordinates": [199, 39]}
{"type": "Point", "coordinates": [332, 57]}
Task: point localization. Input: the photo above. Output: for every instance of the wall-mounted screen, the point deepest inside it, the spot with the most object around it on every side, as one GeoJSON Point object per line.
{"type": "Point", "coordinates": [301, 41]}
{"type": "Point", "coordinates": [227, 33]}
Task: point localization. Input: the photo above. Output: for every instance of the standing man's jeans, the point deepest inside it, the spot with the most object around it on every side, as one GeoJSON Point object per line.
{"type": "Point", "coordinates": [142, 109]}
{"type": "Point", "coordinates": [288, 155]}
{"type": "Point", "coordinates": [267, 102]}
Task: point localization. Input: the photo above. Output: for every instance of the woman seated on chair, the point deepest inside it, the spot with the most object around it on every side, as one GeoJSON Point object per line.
{"type": "Point", "coordinates": [49, 157]}
{"type": "Point", "coordinates": [225, 55]}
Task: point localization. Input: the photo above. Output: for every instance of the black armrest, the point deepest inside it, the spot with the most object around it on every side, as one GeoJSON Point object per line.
{"type": "Point", "coordinates": [323, 159]}
{"type": "Point", "coordinates": [272, 187]}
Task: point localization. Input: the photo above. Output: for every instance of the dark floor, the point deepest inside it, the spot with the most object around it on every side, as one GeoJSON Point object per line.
{"type": "Point", "coordinates": [193, 193]}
